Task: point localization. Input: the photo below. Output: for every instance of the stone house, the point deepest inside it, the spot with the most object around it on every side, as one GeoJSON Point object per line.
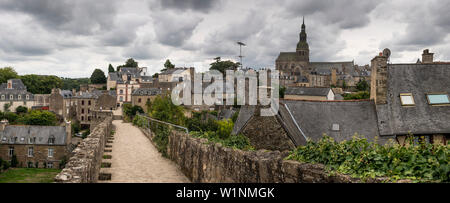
{"type": "Point", "coordinates": [176, 74]}
{"type": "Point", "coordinates": [41, 101]}
{"type": "Point", "coordinates": [124, 92]}
{"type": "Point", "coordinates": [14, 93]}
{"type": "Point", "coordinates": [127, 75]}
{"type": "Point", "coordinates": [36, 146]}
{"type": "Point", "coordinates": [62, 103]}
{"type": "Point", "coordinates": [412, 99]}
{"type": "Point", "coordinates": [87, 102]}
{"type": "Point", "coordinates": [309, 93]}
{"type": "Point", "coordinates": [142, 96]}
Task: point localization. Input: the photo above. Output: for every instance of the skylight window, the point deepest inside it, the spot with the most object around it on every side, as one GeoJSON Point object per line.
{"type": "Point", "coordinates": [407, 99]}
{"type": "Point", "coordinates": [438, 99]}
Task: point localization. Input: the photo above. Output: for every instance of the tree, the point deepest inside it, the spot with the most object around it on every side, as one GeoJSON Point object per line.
{"type": "Point", "coordinates": [168, 65]}
{"type": "Point", "coordinates": [110, 68]}
{"type": "Point", "coordinates": [41, 84]}
{"type": "Point", "coordinates": [282, 91]}
{"type": "Point", "coordinates": [7, 107]}
{"type": "Point", "coordinates": [98, 77]}
{"type": "Point", "coordinates": [69, 83]}
{"type": "Point", "coordinates": [7, 73]}
{"type": "Point", "coordinates": [130, 63]}
{"type": "Point", "coordinates": [222, 66]}
{"type": "Point", "coordinates": [41, 118]}
{"type": "Point", "coordinates": [163, 109]}
{"type": "Point", "coordinates": [21, 110]}
{"type": "Point", "coordinates": [362, 85]}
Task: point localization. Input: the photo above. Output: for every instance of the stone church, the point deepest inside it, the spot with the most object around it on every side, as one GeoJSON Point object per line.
{"type": "Point", "coordinates": [297, 70]}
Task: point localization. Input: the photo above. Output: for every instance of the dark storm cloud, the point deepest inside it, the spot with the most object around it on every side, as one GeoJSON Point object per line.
{"type": "Point", "coordinates": [79, 17]}
{"type": "Point", "coordinates": [424, 28]}
{"type": "Point", "coordinates": [174, 29]}
{"type": "Point", "coordinates": [347, 14]}
{"type": "Point", "coordinates": [196, 5]}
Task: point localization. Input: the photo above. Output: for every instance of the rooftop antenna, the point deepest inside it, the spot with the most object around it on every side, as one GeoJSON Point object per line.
{"type": "Point", "coordinates": [387, 53]}
{"type": "Point", "coordinates": [240, 52]}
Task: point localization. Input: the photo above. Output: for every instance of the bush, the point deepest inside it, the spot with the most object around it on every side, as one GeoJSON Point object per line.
{"type": "Point", "coordinates": [161, 138]}
{"type": "Point", "coordinates": [42, 118]}
{"type": "Point", "coordinates": [21, 110]}
{"type": "Point", "coordinates": [131, 111]}
{"type": "Point", "coordinates": [139, 121]}
{"type": "Point", "coordinates": [225, 127]}
{"type": "Point", "coordinates": [361, 159]}
{"type": "Point", "coordinates": [86, 134]}
{"type": "Point", "coordinates": [358, 96]}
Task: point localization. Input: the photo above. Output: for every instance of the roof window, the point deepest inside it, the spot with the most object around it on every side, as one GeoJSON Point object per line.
{"type": "Point", "coordinates": [407, 99]}
{"type": "Point", "coordinates": [438, 99]}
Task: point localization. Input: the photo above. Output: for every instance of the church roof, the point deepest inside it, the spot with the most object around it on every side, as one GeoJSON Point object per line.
{"type": "Point", "coordinates": [418, 79]}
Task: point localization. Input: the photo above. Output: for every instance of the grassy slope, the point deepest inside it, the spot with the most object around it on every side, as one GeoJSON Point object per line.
{"type": "Point", "coordinates": [28, 175]}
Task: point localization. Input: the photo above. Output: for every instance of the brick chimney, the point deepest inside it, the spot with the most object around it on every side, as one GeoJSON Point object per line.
{"type": "Point", "coordinates": [427, 57]}
{"type": "Point", "coordinates": [3, 124]}
{"type": "Point", "coordinates": [378, 84]}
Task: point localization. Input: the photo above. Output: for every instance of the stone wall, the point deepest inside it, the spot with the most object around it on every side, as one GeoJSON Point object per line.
{"type": "Point", "coordinates": [84, 165]}
{"type": "Point", "coordinates": [203, 162]}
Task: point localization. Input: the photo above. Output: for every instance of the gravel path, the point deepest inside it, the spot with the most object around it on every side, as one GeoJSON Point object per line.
{"type": "Point", "coordinates": [136, 160]}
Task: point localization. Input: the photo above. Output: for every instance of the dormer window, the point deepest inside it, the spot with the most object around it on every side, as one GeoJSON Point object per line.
{"type": "Point", "coordinates": [19, 97]}
{"type": "Point", "coordinates": [438, 99]}
{"type": "Point", "coordinates": [407, 99]}
{"type": "Point", "coordinates": [11, 97]}
{"type": "Point", "coordinates": [51, 140]}
{"type": "Point", "coordinates": [3, 97]}
{"type": "Point", "coordinates": [28, 97]}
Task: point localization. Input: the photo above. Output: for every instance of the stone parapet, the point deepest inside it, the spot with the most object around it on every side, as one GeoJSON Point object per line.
{"type": "Point", "coordinates": [84, 165]}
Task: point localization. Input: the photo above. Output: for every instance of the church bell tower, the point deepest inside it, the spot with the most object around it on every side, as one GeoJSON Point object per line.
{"type": "Point", "coordinates": [302, 46]}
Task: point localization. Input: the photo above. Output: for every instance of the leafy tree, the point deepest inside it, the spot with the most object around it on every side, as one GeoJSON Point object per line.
{"type": "Point", "coordinates": [130, 63]}
{"type": "Point", "coordinates": [362, 85]}
{"type": "Point", "coordinates": [163, 109]}
{"type": "Point", "coordinates": [21, 110]}
{"type": "Point", "coordinates": [69, 83]}
{"type": "Point", "coordinates": [168, 65]}
{"type": "Point", "coordinates": [42, 118]}
{"type": "Point", "coordinates": [222, 66]}
{"type": "Point", "coordinates": [110, 68]}
{"type": "Point", "coordinates": [11, 117]}
{"type": "Point", "coordinates": [7, 73]}
{"type": "Point", "coordinates": [7, 107]}
{"type": "Point", "coordinates": [41, 84]}
{"type": "Point", "coordinates": [76, 127]}
{"type": "Point", "coordinates": [98, 77]}
{"type": "Point", "coordinates": [131, 111]}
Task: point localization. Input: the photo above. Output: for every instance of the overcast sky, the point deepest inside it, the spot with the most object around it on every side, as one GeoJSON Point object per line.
{"type": "Point", "coordinates": [70, 38]}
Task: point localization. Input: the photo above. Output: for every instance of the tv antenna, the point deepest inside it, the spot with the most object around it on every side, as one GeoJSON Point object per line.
{"type": "Point", "coordinates": [240, 52]}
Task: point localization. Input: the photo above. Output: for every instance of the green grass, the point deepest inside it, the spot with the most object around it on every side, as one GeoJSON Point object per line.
{"type": "Point", "coordinates": [28, 175]}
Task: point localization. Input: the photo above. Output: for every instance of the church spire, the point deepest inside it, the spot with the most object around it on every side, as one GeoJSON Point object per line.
{"type": "Point", "coordinates": [303, 35]}
{"type": "Point", "coordinates": [302, 46]}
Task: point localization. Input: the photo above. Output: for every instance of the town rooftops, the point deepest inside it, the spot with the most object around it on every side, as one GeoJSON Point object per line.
{"type": "Point", "coordinates": [340, 120]}
{"type": "Point", "coordinates": [37, 135]}
{"type": "Point", "coordinates": [95, 94]}
{"type": "Point", "coordinates": [422, 117]}
{"type": "Point", "coordinates": [66, 94]}
{"type": "Point", "coordinates": [308, 91]}
{"type": "Point", "coordinates": [173, 71]}
{"type": "Point", "coordinates": [146, 92]}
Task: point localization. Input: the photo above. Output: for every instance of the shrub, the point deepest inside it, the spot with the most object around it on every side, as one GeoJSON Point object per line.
{"type": "Point", "coordinates": [233, 141]}
{"type": "Point", "coordinates": [361, 159]}
{"type": "Point", "coordinates": [139, 121]}
{"type": "Point", "coordinates": [21, 110]}
{"type": "Point", "coordinates": [42, 118]}
{"type": "Point", "coordinates": [161, 138]}
{"type": "Point", "coordinates": [86, 134]}
{"type": "Point", "coordinates": [225, 127]}
{"type": "Point", "coordinates": [357, 96]}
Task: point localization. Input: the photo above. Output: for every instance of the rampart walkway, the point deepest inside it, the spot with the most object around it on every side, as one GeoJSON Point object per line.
{"type": "Point", "coordinates": [136, 160]}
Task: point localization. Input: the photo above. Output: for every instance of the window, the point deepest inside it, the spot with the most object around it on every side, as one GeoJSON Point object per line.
{"type": "Point", "coordinates": [50, 165]}
{"type": "Point", "coordinates": [139, 100]}
{"type": "Point", "coordinates": [28, 97]}
{"type": "Point", "coordinates": [3, 139]}
{"type": "Point", "coordinates": [121, 99]}
{"type": "Point", "coordinates": [82, 118]}
{"type": "Point", "coordinates": [438, 99]}
{"type": "Point", "coordinates": [407, 99]}
{"type": "Point", "coordinates": [11, 151]}
{"type": "Point", "coordinates": [121, 91]}
{"type": "Point", "coordinates": [89, 102]}
{"type": "Point", "coordinates": [11, 97]}
{"type": "Point", "coordinates": [30, 152]}
{"type": "Point", "coordinates": [50, 153]}
{"type": "Point", "coordinates": [31, 140]}
{"type": "Point", "coordinates": [19, 97]}
{"type": "Point", "coordinates": [82, 110]}
{"type": "Point", "coordinates": [3, 97]}
{"type": "Point", "coordinates": [51, 140]}
{"type": "Point", "coordinates": [82, 102]}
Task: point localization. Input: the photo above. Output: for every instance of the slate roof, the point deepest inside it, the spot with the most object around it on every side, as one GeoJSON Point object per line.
{"type": "Point", "coordinates": [18, 88]}
{"type": "Point", "coordinates": [308, 91]}
{"type": "Point", "coordinates": [324, 68]}
{"type": "Point", "coordinates": [115, 76]}
{"type": "Point", "coordinates": [289, 56]}
{"type": "Point", "coordinates": [172, 71]}
{"type": "Point", "coordinates": [95, 94]}
{"type": "Point", "coordinates": [66, 94]}
{"type": "Point", "coordinates": [245, 114]}
{"type": "Point", "coordinates": [418, 79]}
{"type": "Point", "coordinates": [41, 133]}
{"type": "Point", "coordinates": [146, 92]}
{"type": "Point", "coordinates": [318, 118]}
{"type": "Point", "coordinates": [147, 78]}
{"type": "Point", "coordinates": [135, 72]}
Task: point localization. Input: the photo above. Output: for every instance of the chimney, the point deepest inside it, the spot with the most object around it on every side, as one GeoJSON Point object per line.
{"type": "Point", "coordinates": [68, 125]}
{"type": "Point", "coordinates": [378, 84]}
{"type": "Point", "coordinates": [427, 57]}
{"type": "Point", "coordinates": [3, 124]}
